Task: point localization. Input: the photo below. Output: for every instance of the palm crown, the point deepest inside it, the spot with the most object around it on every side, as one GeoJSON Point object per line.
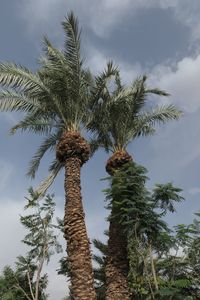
{"type": "Point", "coordinates": [54, 99]}
{"type": "Point", "coordinates": [119, 113]}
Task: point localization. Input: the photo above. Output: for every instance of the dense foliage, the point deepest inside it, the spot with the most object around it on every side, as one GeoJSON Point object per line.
{"type": "Point", "coordinates": [121, 113]}
{"type": "Point", "coordinates": [163, 262]}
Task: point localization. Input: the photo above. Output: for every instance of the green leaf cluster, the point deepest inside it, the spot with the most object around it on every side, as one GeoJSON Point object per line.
{"type": "Point", "coordinates": [172, 252]}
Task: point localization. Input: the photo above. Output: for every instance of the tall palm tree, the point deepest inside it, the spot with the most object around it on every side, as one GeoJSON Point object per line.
{"type": "Point", "coordinates": [54, 101]}
{"type": "Point", "coordinates": [121, 114]}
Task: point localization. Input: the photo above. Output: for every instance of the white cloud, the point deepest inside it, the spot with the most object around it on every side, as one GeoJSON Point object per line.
{"type": "Point", "coordinates": [187, 12]}
{"type": "Point", "coordinates": [178, 142]}
{"type": "Point", "coordinates": [104, 15]}
{"type": "Point", "coordinates": [181, 80]}
{"type": "Point", "coordinates": [39, 13]}
{"type": "Point", "coordinates": [97, 62]}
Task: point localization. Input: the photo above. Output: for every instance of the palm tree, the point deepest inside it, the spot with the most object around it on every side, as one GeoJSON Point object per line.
{"type": "Point", "coordinates": [54, 100]}
{"type": "Point", "coordinates": [121, 114]}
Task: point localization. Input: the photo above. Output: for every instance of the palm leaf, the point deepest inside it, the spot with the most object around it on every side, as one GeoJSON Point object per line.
{"type": "Point", "coordinates": [34, 123]}
{"type": "Point", "coordinates": [48, 144]}
{"type": "Point", "coordinates": [20, 77]}
{"type": "Point", "coordinates": [100, 89]}
{"type": "Point", "coordinates": [55, 168]}
{"type": "Point", "coordinates": [160, 114]}
{"type": "Point", "coordinates": [12, 101]}
{"type": "Point", "coordinates": [72, 53]}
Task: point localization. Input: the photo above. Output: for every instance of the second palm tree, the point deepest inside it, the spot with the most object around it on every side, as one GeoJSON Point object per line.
{"type": "Point", "coordinates": [119, 117]}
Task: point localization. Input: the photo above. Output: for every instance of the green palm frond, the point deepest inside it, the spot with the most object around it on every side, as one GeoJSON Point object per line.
{"type": "Point", "coordinates": [118, 81]}
{"type": "Point", "coordinates": [48, 144]}
{"type": "Point", "coordinates": [72, 53]}
{"type": "Point", "coordinates": [72, 43]}
{"type": "Point", "coordinates": [53, 55]}
{"type": "Point", "coordinates": [157, 91]}
{"type": "Point", "coordinates": [144, 124]}
{"type": "Point", "coordinates": [94, 146]}
{"type": "Point", "coordinates": [140, 92]}
{"type": "Point", "coordinates": [119, 116]}
{"type": "Point", "coordinates": [103, 248]}
{"type": "Point", "coordinates": [132, 133]}
{"type": "Point", "coordinates": [53, 99]}
{"type": "Point", "coordinates": [12, 101]}
{"type": "Point", "coordinates": [34, 123]}
{"type": "Point", "coordinates": [100, 89]}
{"type": "Point", "coordinates": [20, 77]}
{"type": "Point", "coordinates": [123, 97]}
{"type": "Point", "coordinates": [55, 167]}
{"type": "Point", "coordinates": [160, 114]}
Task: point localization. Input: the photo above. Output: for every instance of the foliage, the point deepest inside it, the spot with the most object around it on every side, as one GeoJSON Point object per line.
{"type": "Point", "coordinates": [9, 285]}
{"type": "Point", "coordinates": [121, 113]}
{"type": "Point", "coordinates": [27, 280]}
{"type": "Point", "coordinates": [99, 269]}
{"type": "Point", "coordinates": [53, 99]}
{"type": "Point", "coordinates": [162, 263]}
{"type": "Point", "coordinates": [173, 254]}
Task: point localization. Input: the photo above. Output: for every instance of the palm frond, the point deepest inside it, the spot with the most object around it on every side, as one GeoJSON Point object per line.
{"type": "Point", "coordinates": [48, 144]}
{"type": "Point", "coordinates": [94, 146]}
{"type": "Point", "coordinates": [118, 82]}
{"type": "Point", "coordinates": [160, 114]}
{"type": "Point", "coordinates": [103, 248]}
{"type": "Point", "coordinates": [72, 53]}
{"type": "Point", "coordinates": [53, 98]}
{"type": "Point", "coordinates": [100, 89]}
{"type": "Point", "coordinates": [53, 55]}
{"type": "Point", "coordinates": [157, 91]}
{"type": "Point", "coordinates": [72, 43]}
{"type": "Point", "coordinates": [12, 101]}
{"type": "Point", "coordinates": [34, 123]}
{"type": "Point", "coordinates": [56, 166]}
{"type": "Point", "coordinates": [20, 77]}
{"type": "Point", "coordinates": [138, 98]}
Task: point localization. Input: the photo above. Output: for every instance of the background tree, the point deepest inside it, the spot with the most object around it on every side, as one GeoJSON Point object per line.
{"type": "Point", "coordinates": [121, 114]}
{"type": "Point", "coordinates": [28, 281]}
{"type": "Point", "coordinates": [159, 258]}
{"type": "Point", "coordinates": [13, 287]}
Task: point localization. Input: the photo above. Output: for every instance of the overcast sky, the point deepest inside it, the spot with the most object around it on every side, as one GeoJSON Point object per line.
{"type": "Point", "coordinates": [158, 37]}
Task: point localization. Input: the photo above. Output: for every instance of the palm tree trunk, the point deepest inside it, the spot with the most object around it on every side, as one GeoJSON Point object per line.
{"type": "Point", "coordinates": [78, 245]}
{"type": "Point", "coordinates": [117, 264]}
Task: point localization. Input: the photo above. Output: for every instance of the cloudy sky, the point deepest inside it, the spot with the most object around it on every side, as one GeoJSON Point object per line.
{"type": "Point", "coordinates": [158, 37]}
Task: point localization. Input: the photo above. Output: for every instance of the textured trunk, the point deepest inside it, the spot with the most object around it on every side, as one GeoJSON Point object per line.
{"type": "Point", "coordinates": [117, 264]}
{"type": "Point", "coordinates": [78, 245]}
{"type": "Point", "coordinates": [153, 268]}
